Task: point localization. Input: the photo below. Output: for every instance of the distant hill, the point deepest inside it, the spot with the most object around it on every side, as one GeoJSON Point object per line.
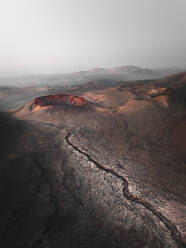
{"type": "Point", "coordinates": [114, 70]}
{"type": "Point", "coordinates": [115, 74]}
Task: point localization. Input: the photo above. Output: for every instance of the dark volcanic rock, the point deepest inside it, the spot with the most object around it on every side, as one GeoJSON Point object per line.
{"type": "Point", "coordinates": [109, 174]}
{"type": "Point", "coordinates": [53, 195]}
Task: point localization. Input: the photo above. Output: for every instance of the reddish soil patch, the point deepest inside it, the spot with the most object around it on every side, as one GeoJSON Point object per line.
{"type": "Point", "coordinates": [54, 100]}
{"type": "Point", "coordinates": [162, 100]}
{"type": "Point", "coordinates": [179, 137]}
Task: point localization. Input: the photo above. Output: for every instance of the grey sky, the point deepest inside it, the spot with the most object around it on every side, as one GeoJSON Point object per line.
{"type": "Point", "coordinates": [68, 35]}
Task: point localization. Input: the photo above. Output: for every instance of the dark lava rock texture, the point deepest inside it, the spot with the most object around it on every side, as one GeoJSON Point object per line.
{"type": "Point", "coordinates": [111, 173]}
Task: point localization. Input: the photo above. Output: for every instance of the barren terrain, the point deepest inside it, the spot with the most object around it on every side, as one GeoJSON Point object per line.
{"type": "Point", "coordinates": [110, 172]}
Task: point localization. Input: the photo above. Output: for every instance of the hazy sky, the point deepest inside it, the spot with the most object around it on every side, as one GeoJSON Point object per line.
{"type": "Point", "coordinates": [68, 35]}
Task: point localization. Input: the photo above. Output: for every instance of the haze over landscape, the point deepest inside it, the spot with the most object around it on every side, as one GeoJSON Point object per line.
{"type": "Point", "coordinates": [92, 124]}
{"type": "Point", "coordinates": [44, 36]}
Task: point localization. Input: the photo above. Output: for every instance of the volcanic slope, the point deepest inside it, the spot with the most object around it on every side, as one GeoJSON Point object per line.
{"type": "Point", "coordinates": [130, 135]}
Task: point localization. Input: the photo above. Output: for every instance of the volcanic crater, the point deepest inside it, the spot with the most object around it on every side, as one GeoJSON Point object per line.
{"type": "Point", "coordinates": [60, 99]}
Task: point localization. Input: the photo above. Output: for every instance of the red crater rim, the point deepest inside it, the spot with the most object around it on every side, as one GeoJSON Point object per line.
{"type": "Point", "coordinates": [60, 99]}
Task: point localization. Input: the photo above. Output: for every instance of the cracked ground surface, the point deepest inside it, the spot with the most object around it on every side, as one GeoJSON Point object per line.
{"type": "Point", "coordinates": [105, 176]}
{"type": "Point", "coordinates": [60, 195]}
